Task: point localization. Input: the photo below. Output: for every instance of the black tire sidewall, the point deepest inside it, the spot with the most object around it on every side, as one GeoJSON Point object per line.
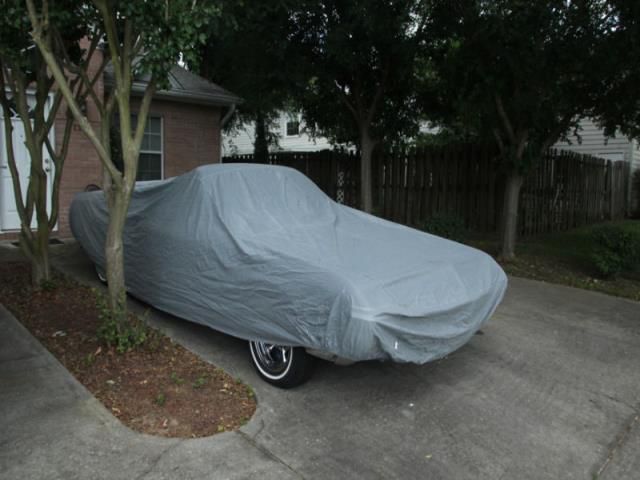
{"type": "Point", "coordinates": [297, 372]}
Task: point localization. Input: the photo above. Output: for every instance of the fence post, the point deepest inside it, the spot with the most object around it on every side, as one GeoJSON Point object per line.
{"type": "Point", "coordinates": [610, 184]}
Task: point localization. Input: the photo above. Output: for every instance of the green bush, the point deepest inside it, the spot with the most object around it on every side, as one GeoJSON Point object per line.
{"type": "Point", "coordinates": [616, 250]}
{"type": "Point", "coordinates": [445, 225]}
{"type": "Point", "coordinates": [116, 330]}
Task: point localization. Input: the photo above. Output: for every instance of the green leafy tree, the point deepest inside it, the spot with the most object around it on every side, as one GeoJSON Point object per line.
{"type": "Point", "coordinates": [27, 92]}
{"type": "Point", "coordinates": [520, 72]}
{"type": "Point", "coordinates": [251, 50]}
{"type": "Point", "coordinates": [360, 58]}
{"type": "Point", "coordinates": [616, 103]}
{"type": "Point", "coordinates": [141, 38]}
{"type": "Point", "coordinates": [617, 100]}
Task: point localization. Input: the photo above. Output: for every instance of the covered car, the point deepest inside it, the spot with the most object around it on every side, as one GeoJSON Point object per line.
{"type": "Point", "coordinates": [261, 253]}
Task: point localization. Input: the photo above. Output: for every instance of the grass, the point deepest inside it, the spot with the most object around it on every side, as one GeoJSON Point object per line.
{"type": "Point", "coordinates": [565, 258]}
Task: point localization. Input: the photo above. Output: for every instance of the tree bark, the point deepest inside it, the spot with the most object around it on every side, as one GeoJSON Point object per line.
{"type": "Point", "coordinates": [261, 144]}
{"type": "Point", "coordinates": [513, 186]}
{"type": "Point", "coordinates": [41, 270]}
{"type": "Point", "coordinates": [34, 245]}
{"type": "Point", "coordinates": [367, 146]}
{"type": "Point", "coordinates": [114, 253]}
{"type": "Point", "coordinates": [40, 265]}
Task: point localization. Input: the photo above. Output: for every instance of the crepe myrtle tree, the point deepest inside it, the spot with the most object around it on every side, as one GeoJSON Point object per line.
{"type": "Point", "coordinates": [522, 73]}
{"type": "Point", "coordinates": [138, 38]}
{"type": "Point", "coordinates": [359, 56]}
{"type": "Point", "coordinates": [26, 90]}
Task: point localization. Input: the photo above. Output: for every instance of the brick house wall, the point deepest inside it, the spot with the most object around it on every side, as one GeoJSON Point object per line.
{"type": "Point", "coordinates": [191, 137]}
{"type": "Point", "coordinates": [191, 134]}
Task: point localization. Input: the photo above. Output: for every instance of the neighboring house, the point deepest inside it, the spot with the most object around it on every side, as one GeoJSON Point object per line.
{"type": "Point", "coordinates": [183, 132]}
{"type": "Point", "coordinates": [291, 133]}
{"type": "Point", "coordinates": [592, 141]}
{"type": "Point", "coordinates": [292, 137]}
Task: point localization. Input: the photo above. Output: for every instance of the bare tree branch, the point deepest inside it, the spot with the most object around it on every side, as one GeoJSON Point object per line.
{"type": "Point", "coordinates": [504, 118]}
{"type": "Point", "coordinates": [345, 99]}
{"type": "Point", "coordinates": [378, 95]}
{"type": "Point", "coordinates": [8, 133]}
{"type": "Point", "coordinates": [63, 86]}
{"type": "Point", "coordinates": [499, 141]}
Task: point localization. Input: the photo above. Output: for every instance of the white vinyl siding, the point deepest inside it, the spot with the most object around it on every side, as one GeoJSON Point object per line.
{"type": "Point", "coordinates": [593, 142]}
{"type": "Point", "coordinates": [635, 154]}
{"type": "Point", "coordinates": [241, 141]}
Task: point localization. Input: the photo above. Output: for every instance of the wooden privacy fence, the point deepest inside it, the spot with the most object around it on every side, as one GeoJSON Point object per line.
{"type": "Point", "coordinates": [568, 190]}
{"type": "Point", "coordinates": [457, 180]}
{"type": "Point", "coordinates": [565, 190]}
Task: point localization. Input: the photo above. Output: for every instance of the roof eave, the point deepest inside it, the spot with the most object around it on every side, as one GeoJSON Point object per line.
{"type": "Point", "coordinates": [138, 89]}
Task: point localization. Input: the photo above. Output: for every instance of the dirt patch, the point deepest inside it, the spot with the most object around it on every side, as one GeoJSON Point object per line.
{"type": "Point", "coordinates": [160, 389]}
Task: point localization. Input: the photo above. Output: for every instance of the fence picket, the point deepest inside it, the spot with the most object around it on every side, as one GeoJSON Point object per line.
{"type": "Point", "coordinates": [566, 189]}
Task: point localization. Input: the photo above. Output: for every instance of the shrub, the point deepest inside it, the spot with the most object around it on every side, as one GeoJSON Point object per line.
{"type": "Point", "coordinates": [445, 225]}
{"type": "Point", "coordinates": [114, 330]}
{"type": "Point", "coordinates": [616, 250]}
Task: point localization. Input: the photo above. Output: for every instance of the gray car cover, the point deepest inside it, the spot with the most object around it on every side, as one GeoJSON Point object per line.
{"type": "Point", "coordinates": [259, 252]}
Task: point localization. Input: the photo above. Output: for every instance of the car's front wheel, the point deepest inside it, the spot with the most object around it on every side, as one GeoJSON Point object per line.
{"type": "Point", "coordinates": [282, 366]}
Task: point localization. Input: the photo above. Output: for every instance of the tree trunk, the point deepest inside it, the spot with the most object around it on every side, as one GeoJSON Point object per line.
{"type": "Point", "coordinates": [35, 244]}
{"type": "Point", "coordinates": [367, 146]}
{"type": "Point", "coordinates": [41, 270]}
{"type": "Point", "coordinates": [40, 266]}
{"type": "Point", "coordinates": [114, 254]}
{"type": "Point", "coordinates": [513, 186]}
{"type": "Point", "coordinates": [261, 144]}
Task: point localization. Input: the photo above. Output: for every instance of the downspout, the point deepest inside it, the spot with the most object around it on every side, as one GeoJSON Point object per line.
{"type": "Point", "coordinates": [223, 122]}
{"type": "Point", "coordinates": [227, 116]}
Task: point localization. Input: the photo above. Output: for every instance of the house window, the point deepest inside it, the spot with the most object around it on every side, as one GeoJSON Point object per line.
{"type": "Point", "coordinates": [293, 128]}
{"type": "Point", "coordinates": [150, 165]}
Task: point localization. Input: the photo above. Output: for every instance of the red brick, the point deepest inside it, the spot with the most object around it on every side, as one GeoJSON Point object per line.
{"type": "Point", "coordinates": [191, 138]}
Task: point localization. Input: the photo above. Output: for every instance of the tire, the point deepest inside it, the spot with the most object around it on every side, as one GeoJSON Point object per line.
{"type": "Point", "coordinates": [284, 367]}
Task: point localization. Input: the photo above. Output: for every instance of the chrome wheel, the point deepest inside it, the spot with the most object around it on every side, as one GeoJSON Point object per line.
{"type": "Point", "coordinates": [273, 360]}
{"type": "Point", "coordinates": [282, 366]}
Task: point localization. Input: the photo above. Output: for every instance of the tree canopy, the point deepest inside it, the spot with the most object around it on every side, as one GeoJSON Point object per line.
{"type": "Point", "coordinates": [27, 90]}
{"type": "Point", "coordinates": [617, 100]}
{"type": "Point", "coordinates": [140, 39]}
{"type": "Point", "coordinates": [521, 72]}
{"type": "Point", "coordinates": [360, 56]}
{"type": "Point", "coordinates": [251, 51]}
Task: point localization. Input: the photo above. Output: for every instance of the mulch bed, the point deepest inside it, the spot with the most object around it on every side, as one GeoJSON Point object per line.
{"type": "Point", "coordinates": [160, 388]}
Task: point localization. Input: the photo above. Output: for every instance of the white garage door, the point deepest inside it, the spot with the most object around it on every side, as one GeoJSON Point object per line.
{"type": "Point", "coordinates": [9, 219]}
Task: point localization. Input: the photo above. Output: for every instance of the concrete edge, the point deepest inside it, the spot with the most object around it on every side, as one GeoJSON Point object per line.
{"type": "Point", "coordinates": [251, 429]}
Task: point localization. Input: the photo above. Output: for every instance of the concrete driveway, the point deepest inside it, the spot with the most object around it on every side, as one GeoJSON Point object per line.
{"type": "Point", "coordinates": [550, 391]}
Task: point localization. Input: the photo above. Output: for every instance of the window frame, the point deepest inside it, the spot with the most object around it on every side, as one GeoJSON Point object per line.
{"type": "Point", "coordinates": [291, 119]}
{"type": "Point", "coordinates": [153, 152]}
